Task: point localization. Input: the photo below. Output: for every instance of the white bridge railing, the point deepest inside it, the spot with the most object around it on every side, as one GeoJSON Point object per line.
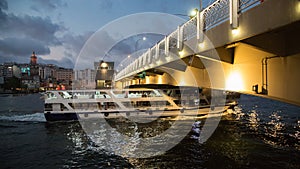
{"type": "Point", "coordinates": [215, 14]}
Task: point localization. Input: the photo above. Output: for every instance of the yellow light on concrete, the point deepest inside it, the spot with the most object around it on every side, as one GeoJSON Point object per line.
{"type": "Point", "coordinates": [159, 79]}
{"type": "Point", "coordinates": [181, 53]}
{"type": "Point", "coordinates": [147, 79]}
{"type": "Point", "coordinates": [234, 82]}
{"type": "Point", "coordinates": [235, 31]}
{"type": "Point", "coordinates": [133, 82]}
{"type": "Point", "coordinates": [182, 83]}
{"type": "Point", "coordinates": [128, 56]}
{"type": "Point", "coordinates": [298, 7]}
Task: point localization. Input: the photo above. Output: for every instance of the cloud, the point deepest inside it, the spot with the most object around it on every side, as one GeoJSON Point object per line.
{"type": "Point", "coordinates": [3, 5]}
{"type": "Point", "coordinates": [21, 47]}
{"type": "Point", "coordinates": [73, 42]}
{"type": "Point", "coordinates": [106, 38]}
{"type": "Point", "coordinates": [42, 29]}
{"type": "Point", "coordinates": [20, 35]}
{"type": "Point", "coordinates": [63, 62]}
{"type": "Point", "coordinates": [48, 5]}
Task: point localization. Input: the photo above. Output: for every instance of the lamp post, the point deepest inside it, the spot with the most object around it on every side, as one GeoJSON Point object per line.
{"type": "Point", "coordinates": [200, 6]}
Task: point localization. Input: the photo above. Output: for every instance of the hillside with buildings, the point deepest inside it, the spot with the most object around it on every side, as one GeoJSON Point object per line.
{"type": "Point", "coordinates": [35, 77]}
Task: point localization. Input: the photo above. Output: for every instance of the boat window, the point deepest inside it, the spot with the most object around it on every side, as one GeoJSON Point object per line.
{"type": "Point", "coordinates": [65, 95]}
{"type": "Point", "coordinates": [128, 104]}
{"type": "Point", "coordinates": [80, 95]}
{"type": "Point", "coordinates": [134, 94]}
{"type": "Point", "coordinates": [101, 95]}
{"type": "Point", "coordinates": [85, 106]}
{"type": "Point", "coordinates": [160, 103]}
{"type": "Point", "coordinates": [48, 107]}
{"type": "Point", "coordinates": [63, 107]}
{"type": "Point", "coordinates": [143, 104]}
{"type": "Point", "coordinates": [156, 93]}
{"type": "Point", "coordinates": [50, 95]}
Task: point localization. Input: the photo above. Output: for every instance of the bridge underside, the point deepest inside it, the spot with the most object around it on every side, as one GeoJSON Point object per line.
{"type": "Point", "coordinates": [283, 41]}
{"type": "Point", "coordinates": [243, 66]}
{"type": "Point", "coordinates": [263, 59]}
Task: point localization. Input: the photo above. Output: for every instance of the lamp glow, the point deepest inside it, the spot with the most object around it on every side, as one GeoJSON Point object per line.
{"type": "Point", "coordinates": [103, 65]}
{"type": "Point", "coordinates": [181, 53]}
{"type": "Point", "coordinates": [234, 82]}
{"type": "Point", "coordinates": [193, 12]}
{"type": "Point", "coordinates": [298, 7]}
{"type": "Point", "coordinates": [235, 31]}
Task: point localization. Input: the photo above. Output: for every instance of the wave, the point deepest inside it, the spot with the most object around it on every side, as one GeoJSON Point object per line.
{"type": "Point", "coordinates": [36, 117]}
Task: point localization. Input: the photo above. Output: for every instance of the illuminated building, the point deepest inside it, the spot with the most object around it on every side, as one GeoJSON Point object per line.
{"type": "Point", "coordinates": [104, 74]}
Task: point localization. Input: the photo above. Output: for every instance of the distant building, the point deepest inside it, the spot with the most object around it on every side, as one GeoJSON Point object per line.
{"type": "Point", "coordinates": [1, 70]}
{"type": "Point", "coordinates": [64, 74]}
{"type": "Point", "coordinates": [33, 59]}
{"type": "Point", "coordinates": [29, 74]}
{"type": "Point", "coordinates": [34, 77]}
{"type": "Point", "coordinates": [84, 79]}
{"type": "Point", "coordinates": [8, 70]}
{"type": "Point", "coordinates": [47, 75]}
{"type": "Point", "coordinates": [104, 74]}
{"type": "Point", "coordinates": [64, 77]}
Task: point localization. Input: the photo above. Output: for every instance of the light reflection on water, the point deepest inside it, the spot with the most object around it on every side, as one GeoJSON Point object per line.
{"type": "Point", "coordinates": [253, 136]}
{"type": "Point", "coordinates": [253, 121]}
{"type": "Point", "coordinates": [276, 123]}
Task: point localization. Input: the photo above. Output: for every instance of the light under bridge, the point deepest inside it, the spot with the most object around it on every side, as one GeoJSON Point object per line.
{"type": "Point", "coordinates": [249, 46]}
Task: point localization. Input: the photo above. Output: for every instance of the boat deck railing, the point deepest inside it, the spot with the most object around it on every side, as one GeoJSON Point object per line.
{"type": "Point", "coordinates": [102, 94]}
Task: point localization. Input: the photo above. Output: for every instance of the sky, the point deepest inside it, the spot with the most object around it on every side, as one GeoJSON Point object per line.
{"type": "Point", "coordinates": [61, 31]}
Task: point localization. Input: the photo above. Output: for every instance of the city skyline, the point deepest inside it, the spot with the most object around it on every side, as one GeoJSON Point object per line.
{"type": "Point", "coordinates": [57, 30]}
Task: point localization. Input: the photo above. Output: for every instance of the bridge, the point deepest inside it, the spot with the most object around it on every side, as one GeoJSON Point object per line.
{"type": "Point", "coordinates": [249, 46]}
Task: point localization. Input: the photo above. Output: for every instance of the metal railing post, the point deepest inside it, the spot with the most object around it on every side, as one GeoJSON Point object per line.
{"type": "Point", "coordinates": [167, 46]}
{"type": "Point", "coordinates": [200, 24]}
{"type": "Point", "coordinates": [179, 37]}
{"type": "Point", "coordinates": [234, 6]}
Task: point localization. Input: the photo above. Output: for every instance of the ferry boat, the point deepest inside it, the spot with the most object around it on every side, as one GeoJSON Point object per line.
{"type": "Point", "coordinates": [87, 104]}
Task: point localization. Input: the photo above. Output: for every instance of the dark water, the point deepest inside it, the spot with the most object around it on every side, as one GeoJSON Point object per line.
{"type": "Point", "coordinates": [259, 134]}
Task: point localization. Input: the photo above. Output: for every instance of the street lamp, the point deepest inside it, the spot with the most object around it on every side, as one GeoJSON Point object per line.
{"type": "Point", "coordinates": [192, 13]}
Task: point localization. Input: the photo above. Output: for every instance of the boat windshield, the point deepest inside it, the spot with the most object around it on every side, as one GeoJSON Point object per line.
{"type": "Point", "coordinates": [50, 95]}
